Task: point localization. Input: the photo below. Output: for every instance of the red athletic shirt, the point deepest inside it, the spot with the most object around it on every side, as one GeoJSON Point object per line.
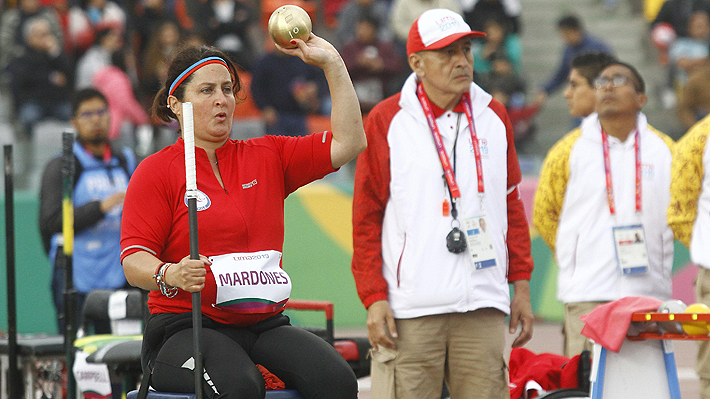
{"type": "Point", "coordinates": [247, 215]}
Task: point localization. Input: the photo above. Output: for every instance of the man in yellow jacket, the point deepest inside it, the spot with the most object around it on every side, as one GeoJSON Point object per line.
{"type": "Point", "coordinates": [689, 217]}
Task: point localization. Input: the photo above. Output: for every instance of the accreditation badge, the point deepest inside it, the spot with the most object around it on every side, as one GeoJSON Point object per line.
{"type": "Point", "coordinates": [480, 242]}
{"type": "Point", "coordinates": [631, 251]}
{"type": "Point", "coordinates": [251, 282]}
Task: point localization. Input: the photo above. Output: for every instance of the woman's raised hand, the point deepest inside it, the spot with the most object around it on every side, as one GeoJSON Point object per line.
{"type": "Point", "coordinates": [316, 51]}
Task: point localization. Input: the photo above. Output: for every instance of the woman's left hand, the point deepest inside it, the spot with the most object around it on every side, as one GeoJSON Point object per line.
{"type": "Point", "coordinates": [315, 51]}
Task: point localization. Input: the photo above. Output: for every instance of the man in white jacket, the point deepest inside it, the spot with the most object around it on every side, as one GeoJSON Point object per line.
{"type": "Point", "coordinates": [601, 186]}
{"type": "Point", "coordinates": [433, 279]}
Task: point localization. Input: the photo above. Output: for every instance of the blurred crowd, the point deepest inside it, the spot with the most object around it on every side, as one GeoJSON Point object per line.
{"type": "Point", "coordinates": [51, 48]}
{"type": "Point", "coordinates": [680, 30]}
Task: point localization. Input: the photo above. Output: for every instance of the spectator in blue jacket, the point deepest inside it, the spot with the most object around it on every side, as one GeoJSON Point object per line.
{"type": "Point", "coordinates": [100, 182]}
{"type": "Point", "coordinates": [577, 41]}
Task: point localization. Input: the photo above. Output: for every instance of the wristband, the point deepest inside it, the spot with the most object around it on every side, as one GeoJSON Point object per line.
{"type": "Point", "coordinates": [159, 277]}
{"type": "Point", "coordinates": [157, 274]}
{"type": "Point", "coordinates": [164, 272]}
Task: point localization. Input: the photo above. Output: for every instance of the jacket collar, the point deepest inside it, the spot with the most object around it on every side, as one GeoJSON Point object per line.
{"type": "Point", "coordinates": [592, 129]}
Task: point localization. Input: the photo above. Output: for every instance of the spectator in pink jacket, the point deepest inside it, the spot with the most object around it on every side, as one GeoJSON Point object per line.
{"type": "Point", "coordinates": [114, 83]}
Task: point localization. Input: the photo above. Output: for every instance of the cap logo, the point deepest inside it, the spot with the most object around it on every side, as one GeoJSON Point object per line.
{"type": "Point", "coordinates": [437, 28]}
{"type": "Point", "coordinates": [447, 23]}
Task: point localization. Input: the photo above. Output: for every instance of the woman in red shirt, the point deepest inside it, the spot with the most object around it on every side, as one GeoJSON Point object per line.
{"type": "Point", "coordinates": [241, 189]}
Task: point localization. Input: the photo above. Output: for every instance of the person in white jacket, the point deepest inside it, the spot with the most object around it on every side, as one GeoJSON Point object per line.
{"type": "Point", "coordinates": [602, 185]}
{"type": "Point", "coordinates": [434, 280]}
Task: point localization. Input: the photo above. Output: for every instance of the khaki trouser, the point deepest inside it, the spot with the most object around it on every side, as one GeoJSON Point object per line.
{"type": "Point", "coordinates": [465, 349]}
{"type": "Point", "coordinates": [575, 342]}
{"type": "Point", "coordinates": [702, 295]}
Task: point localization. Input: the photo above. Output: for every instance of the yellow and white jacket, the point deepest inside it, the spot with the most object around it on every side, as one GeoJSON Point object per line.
{"type": "Point", "coordinates": [689, 211]}
{"type": "Point", "coordinates": [572, 214]}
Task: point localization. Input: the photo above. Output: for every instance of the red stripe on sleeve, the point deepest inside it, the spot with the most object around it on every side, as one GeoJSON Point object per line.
{"type": "Point", "coordinates": [520, 262]}
{"type": "Point", "coordinates": [372, 179]}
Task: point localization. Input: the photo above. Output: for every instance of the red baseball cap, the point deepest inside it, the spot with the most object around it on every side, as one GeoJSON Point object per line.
{"type": "Point", "coordinates": [437, 28]}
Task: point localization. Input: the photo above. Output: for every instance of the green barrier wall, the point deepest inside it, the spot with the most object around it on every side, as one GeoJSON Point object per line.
{"type": "Point", "coordinates": [317, 253]}
{"type": "Point", "coordinates": [35, 311]}
{"type": "Point", "coordinates": [319, 267]}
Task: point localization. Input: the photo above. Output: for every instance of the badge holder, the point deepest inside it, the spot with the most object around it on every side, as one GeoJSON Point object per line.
{"type": "Point", "coordinates": [630, 240]}
{"type": "Point", "coordinates": [631, 251]}
{"type": "Point", "coordinates": [480, 242]}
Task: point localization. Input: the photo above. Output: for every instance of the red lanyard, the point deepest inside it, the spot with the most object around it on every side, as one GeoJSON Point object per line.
{"type": "Point", "coordinates": [439, 143]}
{"type": "Point", "coordinates": [607, 170]}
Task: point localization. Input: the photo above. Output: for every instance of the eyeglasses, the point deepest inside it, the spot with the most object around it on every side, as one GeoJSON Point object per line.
{"type": "Point", "coordinates": [88, 114]}
{"type": "Point", "coordinates": [616, 81]}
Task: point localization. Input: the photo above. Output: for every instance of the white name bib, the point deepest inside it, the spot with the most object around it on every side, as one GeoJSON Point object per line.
{"type": "Point", "coordinates": [250, 282]}
{"type": "Point", "coordinates": [631, 252]}
{"type": "Point", "coordinates": [480, 242]}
